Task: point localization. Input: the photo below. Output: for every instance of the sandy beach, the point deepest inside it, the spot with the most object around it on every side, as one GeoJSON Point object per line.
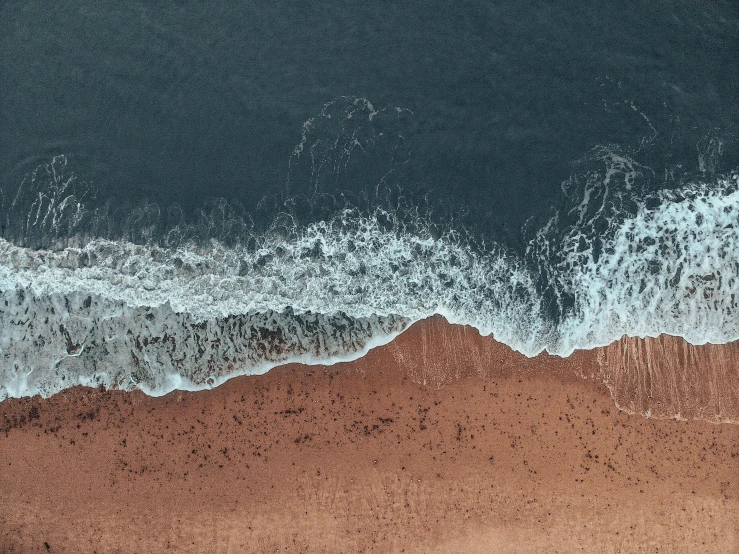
{"type": "Point", "coordinates": [441, 441]}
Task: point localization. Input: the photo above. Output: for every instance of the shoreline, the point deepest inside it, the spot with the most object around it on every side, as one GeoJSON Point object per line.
{"type": "Point", "coordinates": [494, 452]}
{"type": "Point", "coordinates": [662, 377]}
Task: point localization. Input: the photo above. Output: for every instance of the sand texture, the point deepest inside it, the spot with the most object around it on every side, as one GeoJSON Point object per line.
{"type": "Point", "coordinates": [441, 441]}
{"type": "Point", "coordinates": [667, 377]}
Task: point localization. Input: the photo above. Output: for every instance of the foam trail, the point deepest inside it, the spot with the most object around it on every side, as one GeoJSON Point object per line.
{"type": "Point", "coordinates": [122, 314]}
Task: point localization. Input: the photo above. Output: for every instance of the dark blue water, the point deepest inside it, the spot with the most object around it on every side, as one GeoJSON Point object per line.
{"type": "Point", "coordinates": [541, 170]}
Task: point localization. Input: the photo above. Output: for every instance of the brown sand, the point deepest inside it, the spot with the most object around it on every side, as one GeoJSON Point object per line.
{"type": "Point", "coordinates": [495, 453]}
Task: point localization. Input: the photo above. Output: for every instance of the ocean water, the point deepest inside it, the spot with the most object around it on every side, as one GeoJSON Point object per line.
{"type": "Point", "coordinates": [194, 191]}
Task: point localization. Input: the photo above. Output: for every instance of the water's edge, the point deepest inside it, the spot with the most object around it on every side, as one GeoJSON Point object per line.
{"type": "Point", "coordinates": [662, 378]}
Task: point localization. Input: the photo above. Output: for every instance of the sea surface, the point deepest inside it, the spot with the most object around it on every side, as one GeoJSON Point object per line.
{"type": "Point", "coordinates": [195, 190]}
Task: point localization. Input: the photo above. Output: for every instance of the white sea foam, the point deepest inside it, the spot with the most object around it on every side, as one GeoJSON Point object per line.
{"type": "Point", "coordinates": [669, 265]}
{"type": "Point", "coordinates": [330, 293]}
{"type": "Point", "coordinates": [52, 342]}
{"type": "Point", "coordinates": [119, 314]}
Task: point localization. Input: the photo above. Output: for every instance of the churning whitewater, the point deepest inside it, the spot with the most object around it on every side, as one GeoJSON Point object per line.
{"type": "Point", "coordinates": [138, 311]}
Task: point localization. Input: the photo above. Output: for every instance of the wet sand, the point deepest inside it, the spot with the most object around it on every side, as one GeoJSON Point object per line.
{"type": "Point", "coordinates": [441, 441]}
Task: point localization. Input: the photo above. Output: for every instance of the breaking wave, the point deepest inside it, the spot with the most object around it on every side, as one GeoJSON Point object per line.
{"type": "Point", "coordinates": [328, 292]}
{"type": "Point", "coordinates": [140, 298]}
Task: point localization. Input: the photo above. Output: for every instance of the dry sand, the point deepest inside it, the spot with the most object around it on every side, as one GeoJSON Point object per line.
{"type": "Point", "coordinates": [495, 453]}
